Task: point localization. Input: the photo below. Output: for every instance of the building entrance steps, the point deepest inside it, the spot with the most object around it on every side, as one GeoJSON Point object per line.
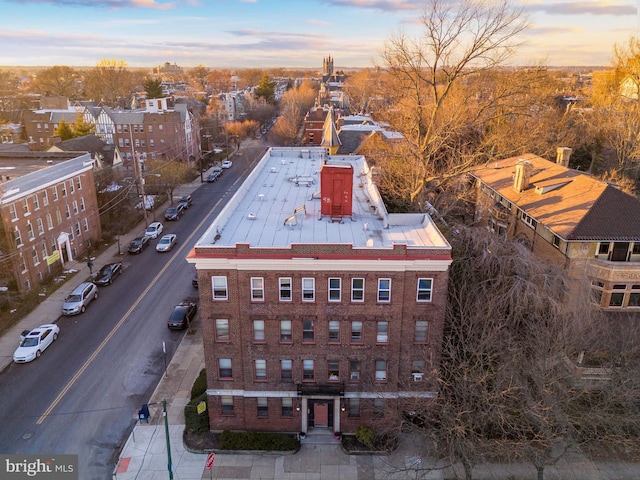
{"type": "Point", "coordinates": [320, 436]}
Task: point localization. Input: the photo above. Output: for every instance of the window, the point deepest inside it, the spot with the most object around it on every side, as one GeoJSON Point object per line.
{"type": "Point", "coordinates": [152, 143]}
{"type": "Point", "coordinates": [44, 250]}
{"type": "Point", "coordinates": [381, 370]}
{"type": "Point", "coordinates": [286, 369]}
{"type": "Point", "coordinates": [30, 234]}
{"type": "Point", "coordinates": [556, 241]}
{"type": "Point", "coordinates": [45, 198]}
{"type": "Point", "coordinates": [285, 289]}
{"type": "Point", "coordinates": [36, 202]}
{"type": "Point", "coordinates": [357, 289]}
{"type": "Point", "coordinates": [67, 211]}
{"type": "Point", "coordinates": [78, 230]}
{"type": "Point", "coordinates": [421, 333]}
{"type": "Point", "coordinates": [307, 370]}
{"type": "Point", "coordinates": [378, 407]}
{"type": "Point", "coordinates": [261, 370]}
{"type": "Point", "coordinates": [334, 289]}
{"type": "Point", "coordinates": [225, 368]}
{"type": "Point", "coordinates": [285, 331]}
{"type": "Point", "coordinates": [34, 256]}
{"type": "Point", "coordinates": [137, 143]}
{"type": "Point", "coordinates": [334, 331]}
{"type": "Point", "coordinates": [308, 289]}
{"type": "Point", "coordinates": [425, 286]}
{"type": "Point", "coordinates": [40, 226]}
{"type": "Point", "coordinates": [333, 369]}
{"type": "Point", "coordinates": [150, 128]}
{"type": "Point", "coordinates": [257, 289]}
{"type": "Point", "coordinates": [25, 206]}
{"type": "Point", "coordinates": [78, 183]}
{"type": "Point", "coordinates": [417, 370]}
{"type": "Point", "coordinates": [219, 286]}
{"type": "Point", "coordinates": [263, 409]}
{"type": "Point", "coordinates": [23, 264]}
{"type": "Point", "coordinates": [54, 190]}
{"type": "Point", "coordinates": [354, 370]}
{"type": "Point", "coordinates": [12, 211]}
{"type": "Point", "coordinates": [71, 236]}
{"type": "Point", "coordinates": [617, 297]}
{"type": "Point", "coordinates": [307, 330]}
{"type": "Point", "coordinates": [119, 128]}
{"type": "Point", "coordinates": [287, 407]}
{"type": "Point", "coordinates": [86, 224]}
{"type": "Point", "coordinates": [72, 187]}
{"type": "Point", "coordinates": [529, 220]}
{"type": "Point", "coordinates": [222, 330]}
{"type": "Point", "coordinates": [356, 332]}
{"type": "Point", "coordinates": [384, 289]}
{"type": "Point", "coordinates": [63, 187]}
{"type": "Point", "coordinates": [634, 296]}
{"type": "Point", "coordinates": [49, 221]}
{"type": "Point", "coordinates": [58, 216]}
{"type": "Point", "coordinates": [75, 207]}
{"type": "Point", "coordinates": [125, 128]}
{"type": "Point", "coordinates": [226, 404]}
{"type": "Point", "coordinates": [258, 331]}
{"type": "Point", "coordinates": [382, 335]}
{"type": "Point", "coordinates": [354, 407]}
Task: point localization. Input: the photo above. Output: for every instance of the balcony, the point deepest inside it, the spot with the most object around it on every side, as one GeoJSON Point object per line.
{"type": "Point", "coordinates": [614, 272]}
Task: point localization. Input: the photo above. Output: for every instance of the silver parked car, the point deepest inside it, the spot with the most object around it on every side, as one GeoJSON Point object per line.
{"type": "Point", "coordinates": [79, 298]}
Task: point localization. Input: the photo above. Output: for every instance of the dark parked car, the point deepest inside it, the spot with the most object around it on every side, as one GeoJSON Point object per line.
{"type": "Point", "coordinates": [138, 244]}
{"type": "Point", "coordinates": [215, 173]}
{"type": "Point", "coordinates": [107, 273]}
{"type": "Point", "coordinates": [182, 315]}
{"type": "Point", "coordinates": [174, 213]}
{"type": "Point", "coordinates": [186, 201]}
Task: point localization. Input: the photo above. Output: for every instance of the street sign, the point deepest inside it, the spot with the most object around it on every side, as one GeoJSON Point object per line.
{"type": "Point", "coordinates": [210, 459]}
{"type": "Point", "coordinates": [201, 407]}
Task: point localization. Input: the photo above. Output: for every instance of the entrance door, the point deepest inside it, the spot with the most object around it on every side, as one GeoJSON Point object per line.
{"type": "Point", "coordinates": [321, 411]}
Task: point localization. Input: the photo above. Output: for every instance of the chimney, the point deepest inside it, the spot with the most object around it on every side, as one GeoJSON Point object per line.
{"type": "Point", "coordinates": [521, 178]}
{"type": "Point", "coordinates": [562, 156]}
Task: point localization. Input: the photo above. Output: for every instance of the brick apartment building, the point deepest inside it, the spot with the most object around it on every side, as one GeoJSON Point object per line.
{"type": "Point", "coordinates": [319, 308]}
{"type": "Point", "coordinates": [49, 213]}
{"type": "Point", "coordinates": [589, 226]}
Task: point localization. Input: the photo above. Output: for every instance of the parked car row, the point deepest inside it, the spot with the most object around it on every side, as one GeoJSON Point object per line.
{"type": "Point", "coordinates": [214, 174]}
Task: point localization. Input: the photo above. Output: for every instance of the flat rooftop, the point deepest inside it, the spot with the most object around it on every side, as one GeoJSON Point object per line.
{"type": "Point", "coordinates": [279, 205]}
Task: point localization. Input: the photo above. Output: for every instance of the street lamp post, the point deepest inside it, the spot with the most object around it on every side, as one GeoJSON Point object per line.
{"type": "Point", "coordinates": [166, 432]}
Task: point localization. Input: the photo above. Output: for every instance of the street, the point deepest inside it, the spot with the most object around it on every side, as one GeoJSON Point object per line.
{"type": "Point", "coordinates": [83, 394]}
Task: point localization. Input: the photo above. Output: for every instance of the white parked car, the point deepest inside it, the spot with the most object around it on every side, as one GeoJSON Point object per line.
{"type": "Point", "coordinates": [154, 230]}
{"type": "Point", "coordinates": [227, 164]}
{"type": "Point", "coordinates": [166, 243]}
{"type": "Point", "coordinates": [35, 342]}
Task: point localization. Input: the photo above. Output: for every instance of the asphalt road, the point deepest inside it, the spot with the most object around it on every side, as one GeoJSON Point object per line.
{"type": "Point", "coordinates": [83, 394]}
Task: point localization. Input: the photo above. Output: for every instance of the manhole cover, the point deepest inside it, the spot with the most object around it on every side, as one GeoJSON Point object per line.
{"type": "Point", "coordinates": [27, 436]}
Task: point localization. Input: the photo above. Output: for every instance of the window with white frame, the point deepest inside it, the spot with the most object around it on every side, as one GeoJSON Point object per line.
{"type": "Point", "coordinates": [258, 331]}
{"type": "Point", "coordinates": [86, 225]}
{"type": "Point", "coordinates": [257, 289]}
{"type": "Point", "coordinates": [17, 236]}
{"type": "Point", "coordinates": [75, 207]}
{"type": "Point", "coordinates": [34, 255]}
{"type": "Point", "coordinates": [335, 289]}
{"type": "Point", "coordinates": [219, 287]}
{"type": "Point", "coordinates": [285, 331]}
{"type": "Point", "coordinates": [12, 211]}
{"type": "Point", "coordinates": [261, 369]}
{"type": "Point", "coordinates": [381, 370]}
{"type": "Point", "coordinates": [357, 289]}
{"type": "Point", "coordinates": [224, 368]}
{"type": "Point", "coordinates": [30, 234]}
{"type": "Point", "coordinates": [529, 220]}
{"type": "Point", "coordinates": [44, 250]}
{"type": "Point", "coordinates": [82, 205]}
{"type": "Point", "coordinates": [49, 221]}
{"type": "Point", "coordinates": [25, 206]}
{"type": "Point", "coordinates": [63, 188]}
{"type": "Point", "coordinates": [284, 285]}
{"type": "Point", "coordinates": [334, 331]}
{"type": "Point", "coordinates": [78, 183]}
{"type": "Point", "coordinates": [54, 190]}
{"type": "Point", "coordinates": [382, 335]}
{"type": "Point", "coordinates": [308, 370]}
{"type": "Point", "coordinates": [72, 187]}
{"type": "Point", "coordinates": [45, 198]}
{"type": "Point", "coordinates": [40, 226]}
{"type": "Point", "coordinates": [222, 329]}
{"type": "Point", "coordinates": [308, 289]}
{"type": "Point", "coordinates": [23, 263]}
{"type": "Point", "coordinates": [356, 331]}
{"type": "Point", "coordinates": [36, 202]}
{"type": "Point", "coordinates": [67, 211]}
{"type": "Point", "coordinates": [286, 369]}
{"type": "Point", "coordinates": [425, 287]}
{"type": "Point", "coordinates": [384, 290]}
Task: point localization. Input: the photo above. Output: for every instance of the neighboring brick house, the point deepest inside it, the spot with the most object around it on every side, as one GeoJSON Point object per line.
{"type": "Point", "coordinates": [319, 308]}
{"type": "Point", "coordinates": [314, 125]}
{"type": "Point", "coordinates": [158, 130]}
{"type": "Point", "coordinates": [588, 226]}
{"type": "Point", "coordinates": [49, 213]}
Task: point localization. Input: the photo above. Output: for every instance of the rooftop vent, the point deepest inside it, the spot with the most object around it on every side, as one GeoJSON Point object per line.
{"type": "Point", "coordinates": [252, 216]}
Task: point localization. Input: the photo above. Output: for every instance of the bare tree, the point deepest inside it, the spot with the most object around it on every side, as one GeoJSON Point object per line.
{"type": "Point", "coordinates": [58, 80]}
{"type": "Point", "coordinates": [460, 40]}
{"type": "Point", "coordinates": [110, 81]}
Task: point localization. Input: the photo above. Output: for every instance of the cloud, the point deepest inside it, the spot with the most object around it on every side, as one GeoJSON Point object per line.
{"type": "Point", "coordinates": [581, 8]}
{"type": "Point", "coordinates": [109, 4]}
{"type": "Point", "coordinates": [385, 5]}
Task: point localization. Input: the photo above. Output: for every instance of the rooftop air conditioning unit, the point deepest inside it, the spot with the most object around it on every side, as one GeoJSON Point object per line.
{"type": "Point", "coordinates": [417, 377]}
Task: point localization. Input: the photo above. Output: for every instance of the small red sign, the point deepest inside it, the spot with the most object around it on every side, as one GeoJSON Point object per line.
{"type": "Point", "coordinates": [210, 459]}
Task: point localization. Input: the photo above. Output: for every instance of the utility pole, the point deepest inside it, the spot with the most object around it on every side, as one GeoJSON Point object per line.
{"type": "Point", "coordinates": [136, 162]}
{"type": "Point", "coordinates": [166, 432]}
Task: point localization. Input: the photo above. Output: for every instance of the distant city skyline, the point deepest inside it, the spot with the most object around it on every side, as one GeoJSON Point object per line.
{"type": "Point", "coordinates": [279, 33]}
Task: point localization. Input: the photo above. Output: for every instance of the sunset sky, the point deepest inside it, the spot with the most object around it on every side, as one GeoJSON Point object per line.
{"type": "Point", "coordinates": [278, 33]}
